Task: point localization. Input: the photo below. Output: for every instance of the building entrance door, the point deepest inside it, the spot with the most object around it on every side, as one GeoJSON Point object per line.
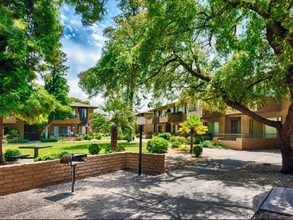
{"type": "Point", "coordinates": [235, 126]}
{"type": "Point", "coordinates": [31, 132]}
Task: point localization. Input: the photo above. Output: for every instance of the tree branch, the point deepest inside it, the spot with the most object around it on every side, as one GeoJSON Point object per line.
{"type": "Point", "coordinates": [256, 82]}
{"type": "Point", "coordinates": [159, 70]}
{"type": "Point", "coordinates": [253, 115]}
{"type": "Point", "coordinates": [191, 71]}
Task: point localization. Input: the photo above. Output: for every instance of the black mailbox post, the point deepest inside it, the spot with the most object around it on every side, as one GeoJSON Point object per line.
{"type": "Point", "coordinates": [73, 160]}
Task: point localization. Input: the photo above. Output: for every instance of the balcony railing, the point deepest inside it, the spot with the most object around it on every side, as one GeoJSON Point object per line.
{"type": "Point", "coordinates": [171, 118]}
{"type": "Point", "coordinates": [150, 121]}
{"type": "Point", "coordinates": [230, 136]}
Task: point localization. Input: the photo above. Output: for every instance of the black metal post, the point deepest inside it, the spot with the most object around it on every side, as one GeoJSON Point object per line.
{"type": "Point", "coordinates": [140, 151]}
{"type": "Point", "coordinates": [73, 177]}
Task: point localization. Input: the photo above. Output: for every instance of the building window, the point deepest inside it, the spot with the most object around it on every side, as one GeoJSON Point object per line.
{"type": "Point", "coordinates": [82, 113]}
{"type": "Point", "coordinates": [216, 127]}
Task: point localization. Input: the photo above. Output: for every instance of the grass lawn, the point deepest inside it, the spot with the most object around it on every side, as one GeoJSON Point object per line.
{"type": "Point", "coordinates": [71, 147]}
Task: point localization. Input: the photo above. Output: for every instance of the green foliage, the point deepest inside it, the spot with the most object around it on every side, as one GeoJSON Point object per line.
{"type": "Point", "coordinates": [48, 156]}
{"type": "Point", "coordinates": [8, 153]}
{"type": "Point", "coordinates": [62, 139]}
{"type": "Point", "coordinates": [100, 123]}
{"type": "Point", "coordinates": [200, 138]}
{"type": "Point", "coordinates": [94, 148]}
{"type": "Point", "coordinates": [98, 136]}
{"type": "Point", "coordinates": [211, 144]}
{"type": "Point", "coordinates": [176, 141]}
{"type": "Point", "coordinates": [23, 141]}
{"type": "Point", "coordinates": [79, 138]}
{"type": "Point", "coordinates": [74, 99]}
{"type": "Point", "coordinates": [157, 145]}
{"type": "Point", "coordinates": [182, 147]}
{"type": "Point", "coordinates": [121, 118]}
{"type": "Point", "coordinates": [88, 137]}
{"type": "Point", "coordinates": [109, 150]}
{"type": "Point", "coordinates": [14, 133]}
{"type": "Point", "coordinates": [197, 149]}
{"type": "Point", "coordinates": [46, 140]}
{"type": "Point", "coordinates": [165, 135]}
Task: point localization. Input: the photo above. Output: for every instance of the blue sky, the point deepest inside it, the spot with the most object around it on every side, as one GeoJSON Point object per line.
{"type": "Point", "coordinates": [83, 45]}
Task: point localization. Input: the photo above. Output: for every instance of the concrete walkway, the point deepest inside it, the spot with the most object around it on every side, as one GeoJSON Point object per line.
{"type": "Point", "coordinates": [187, 193]}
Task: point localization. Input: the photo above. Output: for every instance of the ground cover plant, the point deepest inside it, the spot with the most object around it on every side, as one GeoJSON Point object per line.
{"type": "Point", "coordinates": [75, 147]}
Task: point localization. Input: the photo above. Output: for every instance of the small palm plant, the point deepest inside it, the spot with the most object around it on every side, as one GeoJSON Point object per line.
{"type": "Point", "coordinates": [192, 125]}
{"type": "Point", "coordinates": [121, 118]}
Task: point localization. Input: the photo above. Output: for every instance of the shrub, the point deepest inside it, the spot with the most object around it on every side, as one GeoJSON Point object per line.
{"type": "Point", "coordinates": [120, 148]}
{"type": "Point", "coordinates": [200, 138]}
{"type": "Point", "coordinates": [79, 138]}
{"type": "Point", "coordinates": [14, 133]}
{"type": "Point", "coordinates": [98, 136]}
{"type": "Point", "coordinates": [165, 135]}
{"type": "Point", "coordinates": [49, 140]}
{"type": "Point", "coordinates": [4, 141]}
{"type": "Point", "coordinates": [177, 141]}
{"type": "Point", "coordinates": [211, 144]}
{"type": "Point", "coordinates": [8, 153]}
{"type": "Point", "coordinates": [94, 148]}
{"type": "Point", "coordinates": [108, 149]}
{"type": "Point", "coordinates": [157, 145]}
{"type": "Point", "coordinates": [63, 152]}
{"type": "Point", "coordinates": [183, 147]}
{"type": "Point", "coordinates": [197, 149]}
{"type": "Point", "coordinates": [48, 156]}
{"type": "Point", "coordinates": [22, 141]}
{"type": "Point", "coordinates": [176, 144]}
{"type": "Point", "coordinates": [181, 138]}
{"type": "Point", "coordinates": [87, 137]}
{"type": "Point", "coordinates": [61, 139]}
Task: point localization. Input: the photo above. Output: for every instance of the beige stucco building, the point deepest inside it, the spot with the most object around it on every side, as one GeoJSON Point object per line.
{"type": "Point", "coordinates": [231, 128]}
{"type": "Point", "coordinates": [76, 123]}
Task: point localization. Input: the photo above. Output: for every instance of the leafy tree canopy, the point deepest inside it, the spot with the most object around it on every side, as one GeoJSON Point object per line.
{"type": "Point", "coordinates": [74, 99]}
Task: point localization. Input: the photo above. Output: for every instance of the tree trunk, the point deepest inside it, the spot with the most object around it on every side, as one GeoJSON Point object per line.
{"type": "Point", "coordinates": [114, 137]}
{"type": "Point", "coordinates": [191, 140]}
{"type": "Point", "coordinates": [287, 143]}
{"type": "Point", "coordinates": [1, 139]}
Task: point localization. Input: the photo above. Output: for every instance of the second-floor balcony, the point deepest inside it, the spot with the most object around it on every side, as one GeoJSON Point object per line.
{"type": "Point", "coordinates": [150, 121]}
{"type": "Point", "coordinates": [71, 119]}
{"type": "Point", "coordinates": [171, 118]}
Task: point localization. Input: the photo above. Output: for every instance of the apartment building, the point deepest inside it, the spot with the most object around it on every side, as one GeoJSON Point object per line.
{"type": "Point", "coordinates": [78, 122]}
{"type": "Point", "coordinates": [231, 128]}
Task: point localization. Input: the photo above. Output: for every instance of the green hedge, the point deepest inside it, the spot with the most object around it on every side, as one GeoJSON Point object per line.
{"type": "Point", "coordinates": [94, 149]}
{"type": "Point", "coordinates": [8, 153]}
{"type": "Point", "coordinates": [165, 135]}
{"type": "Point", "coordinates": [45, 140]}
{"type": "Point", "coordinates": [157, 145]}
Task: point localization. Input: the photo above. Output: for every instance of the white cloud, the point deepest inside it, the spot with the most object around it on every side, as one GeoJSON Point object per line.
{"type": "Point", "coordinates": [83, 46]}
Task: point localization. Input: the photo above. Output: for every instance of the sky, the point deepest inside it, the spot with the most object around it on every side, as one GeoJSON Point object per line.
{"type": "Point", "coordinates": [83, 45]}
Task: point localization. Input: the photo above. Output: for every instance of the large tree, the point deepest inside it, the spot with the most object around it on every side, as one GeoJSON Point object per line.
{"type": "Point", "coordinates": [234, 53]}
{"type": "Point", "coordinates": [30, 32]}
{"type": "Point", "coordinates": [118, 69]}
{"type": "Point", "coordinates": [228, 53]}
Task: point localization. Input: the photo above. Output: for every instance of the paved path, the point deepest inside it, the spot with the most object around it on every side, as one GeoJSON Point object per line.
{"type": "Point", "coordinates": [185, 193]}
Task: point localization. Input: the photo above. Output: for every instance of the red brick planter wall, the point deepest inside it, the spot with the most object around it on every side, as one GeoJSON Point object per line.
{"type": "Point", "coordinates": [20, 177]}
